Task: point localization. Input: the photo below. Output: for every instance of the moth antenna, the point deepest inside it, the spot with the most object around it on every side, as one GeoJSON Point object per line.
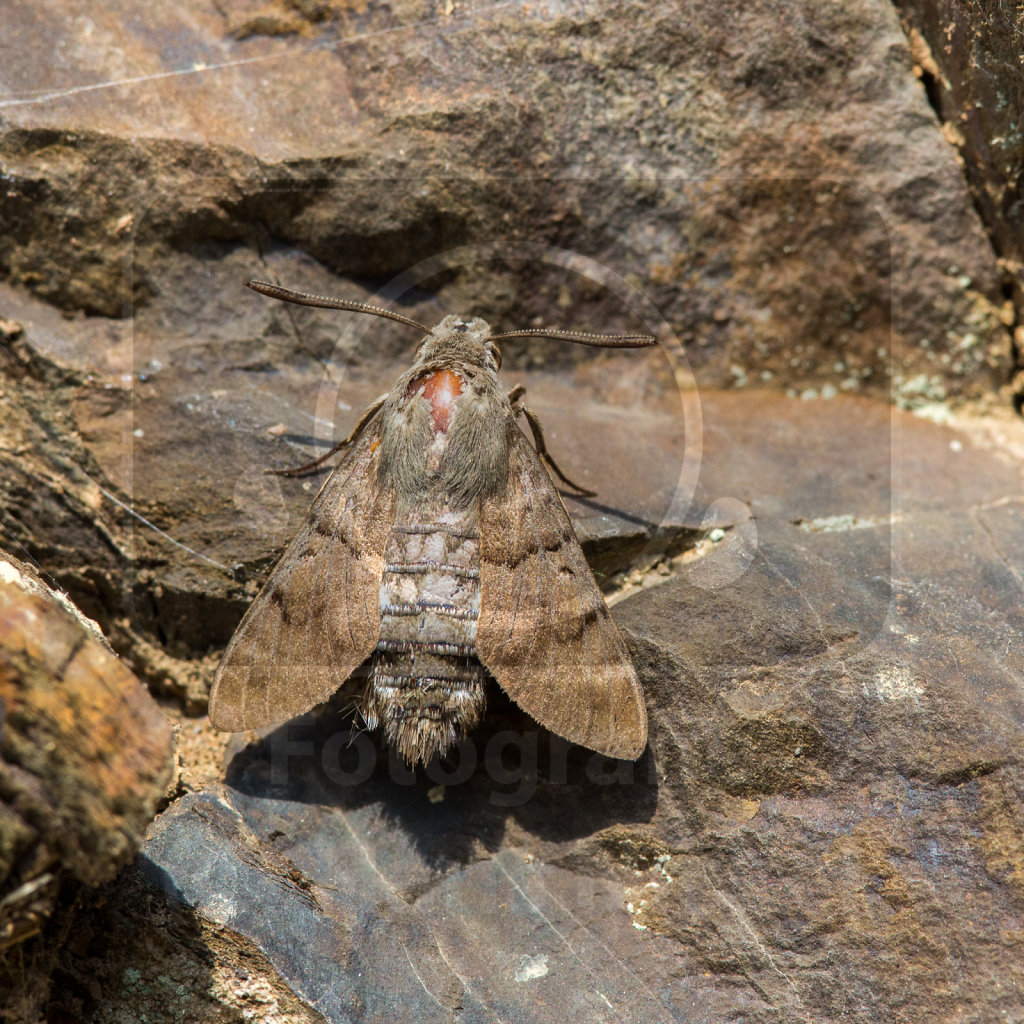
{"type": "Point", "coordinates": [583, 337]}
{"type": "Point", "coordinates": [275, 291]}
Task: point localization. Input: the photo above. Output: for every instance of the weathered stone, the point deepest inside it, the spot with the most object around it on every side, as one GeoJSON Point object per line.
{"type": "Point", "coordinates": [85, 755]}
{"type": "Point", "coordinates": [969, 58]}
{"type": "Point", "coordinates": [840, 727]}
{"type": "Point", "coordinates": [757, 176]}
{"type": "Point", "coordinates": [137, 955]}
{"type": "Point", "coordinates": [827, 824]}
{"type": "Point", "coordinates": [726, 199]}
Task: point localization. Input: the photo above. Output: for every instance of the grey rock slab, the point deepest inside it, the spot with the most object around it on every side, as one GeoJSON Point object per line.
{"type": "Point", "coordinates": [506, 938]}
{"type": "Point", "coordinates": [838, 730]}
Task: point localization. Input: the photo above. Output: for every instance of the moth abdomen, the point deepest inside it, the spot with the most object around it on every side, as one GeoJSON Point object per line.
{"type": "Point", "coordinates": [461, 572]}
{"type": "Point", "coordinates": [430, 529]}
{"type": "Point", "coordinates": [426, 686]}
{"type": "Point", "coordinates": [446, 610]}
{"type": "Point", "coordinates": [424, 705]}
{"type": "Point", "coordinates": [414, 647]}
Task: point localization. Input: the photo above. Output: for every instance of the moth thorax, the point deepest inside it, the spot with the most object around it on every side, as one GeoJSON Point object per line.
{"type": "Point", "coordinates": [441, 388]}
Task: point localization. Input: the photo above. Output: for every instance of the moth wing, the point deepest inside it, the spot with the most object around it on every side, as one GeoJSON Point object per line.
{"type": "Point", "coordinates": [317, 618]}
{"type": "Point", "coordinates": [544, 630]}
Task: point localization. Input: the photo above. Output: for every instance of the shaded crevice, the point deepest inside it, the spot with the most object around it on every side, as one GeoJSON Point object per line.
{"type": "Point", "coordinates": [999, 230]}
{"type": "Point", "coordinates": [932, 90]}
{"type": "Point", "coordinates": [1013, 292]}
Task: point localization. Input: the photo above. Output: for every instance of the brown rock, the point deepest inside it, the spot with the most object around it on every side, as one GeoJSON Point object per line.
{"type": "Point", "coordinates": [838, 727]}
{"type": "Point", "coordinates": [727, 198]}
{"type": "Point", "coordinates": [86, 755]}
{"type": "Point", "coordinates": [756, 177]}
{"type": "Point", "coordinates": [827, 824]}
{"type": "Point", "coordinates": [969, 60]}
{"type": "Point", "coordinates": [140, 956]}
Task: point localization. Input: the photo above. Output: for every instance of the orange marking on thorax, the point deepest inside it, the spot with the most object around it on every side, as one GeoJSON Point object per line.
{"type": "Point", "coordinates": [441, 389]}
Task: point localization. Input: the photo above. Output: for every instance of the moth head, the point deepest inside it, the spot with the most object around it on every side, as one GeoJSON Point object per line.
{"type": "Point", "coordinates": [469, 341]}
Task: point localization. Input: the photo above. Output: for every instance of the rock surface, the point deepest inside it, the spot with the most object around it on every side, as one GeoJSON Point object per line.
{"type": "Point", "coordinates": [827, 823]}
{"type": "Point", "coordinates": [771, 183]}
{"type": "Point", "coordinates": [140, 956]}
{"type": "Point", "coordinates": [970, 61]}
{"type": "Point", "coordinates": [772, 191]}
{"type": "Point", "coordinates": [85, 760]}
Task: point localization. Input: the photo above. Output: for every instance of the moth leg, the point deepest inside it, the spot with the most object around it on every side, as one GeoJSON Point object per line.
{"type": "Point", "coordinates": [356, 431]}
{"type": "Point", "coordinates": [515, 397]}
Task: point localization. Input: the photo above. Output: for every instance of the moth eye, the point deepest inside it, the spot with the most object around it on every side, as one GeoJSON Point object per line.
{"type": "Point", "coordinates": [496, 353]}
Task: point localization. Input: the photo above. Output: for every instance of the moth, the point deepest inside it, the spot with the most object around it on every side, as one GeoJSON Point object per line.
{"type": "Point", "coordinates": [439, 551]}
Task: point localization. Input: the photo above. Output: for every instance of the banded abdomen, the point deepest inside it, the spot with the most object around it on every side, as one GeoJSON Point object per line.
{"type": "Point", "coordinates": [426, 686]}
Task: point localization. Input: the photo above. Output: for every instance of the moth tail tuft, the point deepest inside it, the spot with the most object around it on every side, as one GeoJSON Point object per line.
{"type": "Point", "coordinates": [423, 719]}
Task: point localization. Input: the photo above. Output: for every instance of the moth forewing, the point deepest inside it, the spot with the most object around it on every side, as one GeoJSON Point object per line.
{"type": "Point", "coordinates": [317, 618]}
{"type": "Point", "coordinates": [545, 632]}
{"type": "Point", "coordinates": [437, 548]}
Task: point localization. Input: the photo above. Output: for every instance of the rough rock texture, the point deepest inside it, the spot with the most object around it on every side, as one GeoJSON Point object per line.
{"type": "Point", "coordinates": [773, 193]}
{"type": "Point", "coordinates": [771, 179]}
{"type": "Point", "coordinates": [827, 825]}
{"type": "Point", "coordinates": [85, 760]}
{"type": "Point", "coordinates": [139, 956]}
{"type": "Point", "coordinates": [971, 59]}
{"type": "Point", "coordinates": [842, 736]}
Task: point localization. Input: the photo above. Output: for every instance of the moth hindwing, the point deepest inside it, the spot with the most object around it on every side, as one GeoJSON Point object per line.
{"type": "Point", "coordinates": [438, 551]}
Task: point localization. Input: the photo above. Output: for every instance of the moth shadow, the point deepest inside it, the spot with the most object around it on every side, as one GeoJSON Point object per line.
{"type": "Point", "coordinates": [588, 501]}
{"type": "Point", "coordinates": [508, 775]}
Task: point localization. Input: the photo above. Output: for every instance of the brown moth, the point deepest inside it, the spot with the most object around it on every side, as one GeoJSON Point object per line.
{"type": "Point", "coordinates": [440, 550]}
